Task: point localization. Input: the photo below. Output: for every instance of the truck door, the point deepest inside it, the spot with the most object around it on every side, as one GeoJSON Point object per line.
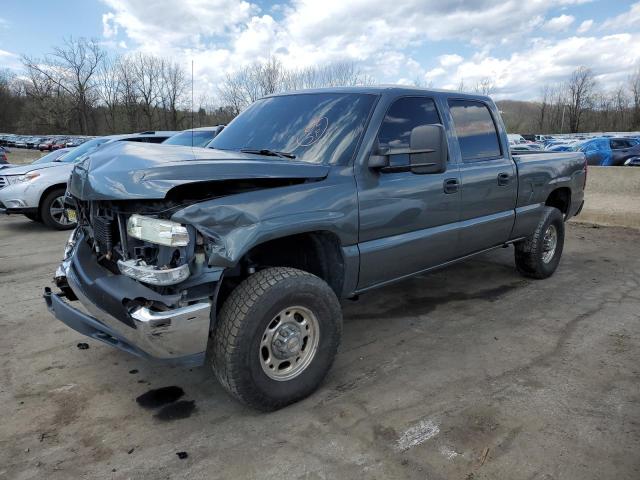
{"type": "Point", "coordinates": [407, 219]}
{"type": "Point", "coordinates": [488, 178]}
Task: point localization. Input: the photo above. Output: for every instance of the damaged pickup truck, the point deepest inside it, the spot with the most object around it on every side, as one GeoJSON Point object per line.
{"type": "Point", "coordinates": [239, 255]}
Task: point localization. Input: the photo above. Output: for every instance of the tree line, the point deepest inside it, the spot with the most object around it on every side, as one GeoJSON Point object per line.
{"type": "Point", "coordinates": [578, 105]}
{"type": "Point", "coordinates": [78, 88]}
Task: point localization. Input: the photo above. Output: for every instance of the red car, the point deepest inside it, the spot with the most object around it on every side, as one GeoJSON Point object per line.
{"type": "Point", "coordinates": [60, 143]}
{"type": "Point", "coordinates": [46, 145]}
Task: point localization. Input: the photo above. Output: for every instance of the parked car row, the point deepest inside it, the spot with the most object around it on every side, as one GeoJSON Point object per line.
{"type": "Point", "coordinates": [600, 149]}
{"type": "Point", "coordinates": [37, 190]}
{"type": "Point", "coordinates": [42, 143]}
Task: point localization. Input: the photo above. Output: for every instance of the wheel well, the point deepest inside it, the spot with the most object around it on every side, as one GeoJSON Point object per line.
{"type": "Point", "coordinates": [49, 189]}
{"type": "Point", "coordinates": [560, 198]}
{"type": "Point", "coordinates": [318, 253]}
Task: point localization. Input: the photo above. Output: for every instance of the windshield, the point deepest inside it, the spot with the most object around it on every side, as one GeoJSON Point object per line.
{"type": "Point", "coordinates": [86, 147]}
{"type": "Point", "coordinates": [315, 127]}
{"type": "Point", "coordinates": [198, 138]}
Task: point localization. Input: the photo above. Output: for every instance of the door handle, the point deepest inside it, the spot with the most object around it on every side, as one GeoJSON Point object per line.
{"type": "Point", "coordinates": [503, 179]}
{"type": "Point", "coordinates": [451, 185]}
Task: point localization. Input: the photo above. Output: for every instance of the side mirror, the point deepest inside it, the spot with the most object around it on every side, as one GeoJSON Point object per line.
{"type": "Point", "coordinates": [427, 153]}
{"type": "Point", "coordinates": [429, 146]}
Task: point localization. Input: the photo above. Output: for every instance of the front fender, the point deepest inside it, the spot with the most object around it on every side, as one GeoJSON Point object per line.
{"type": "Point", "coordinates": [233, 225]}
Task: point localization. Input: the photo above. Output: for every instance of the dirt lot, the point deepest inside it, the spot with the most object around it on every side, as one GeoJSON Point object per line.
{"type": "Point", "coordinates": [469, 373]}
{"type": "Point", "coordinates": [22, 156]}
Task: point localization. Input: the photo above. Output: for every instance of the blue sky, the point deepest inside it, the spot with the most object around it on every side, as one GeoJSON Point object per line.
{"type": "Point", "coordinates": [519, 45]}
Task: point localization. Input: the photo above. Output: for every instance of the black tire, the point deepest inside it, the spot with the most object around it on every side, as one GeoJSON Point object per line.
{"type": "Point", "coordinates": [531, 254]}
{"type": "Point", "coordinates": [34, 217]}
{"type": "Point", "coordinates": [243, 320]}
{"type": "Point", "coordinates": [45, 210]}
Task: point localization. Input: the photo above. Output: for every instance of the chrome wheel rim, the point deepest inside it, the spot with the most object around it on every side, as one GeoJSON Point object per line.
{"type": "Point", "coordinates": [289, 343]}
{"type": "Point", "coordinates": [549, 243]}
{"type": "Point", "coordinates": [58, 211]}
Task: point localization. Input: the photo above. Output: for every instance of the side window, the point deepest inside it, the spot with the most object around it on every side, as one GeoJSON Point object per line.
{"type": "Point", "coordinates": [403, 116]}
{"type": "Point", "coordinates": [475, 129]}
{"type": "Point", "coordinates": [620, 144]}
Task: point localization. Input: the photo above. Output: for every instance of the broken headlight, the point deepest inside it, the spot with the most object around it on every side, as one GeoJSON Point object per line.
{"type": "Point", "coordinates": [155, 230]}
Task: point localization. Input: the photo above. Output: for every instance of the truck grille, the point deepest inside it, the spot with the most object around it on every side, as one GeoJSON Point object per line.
{"type": "Point", "coordinates": [3, 182]}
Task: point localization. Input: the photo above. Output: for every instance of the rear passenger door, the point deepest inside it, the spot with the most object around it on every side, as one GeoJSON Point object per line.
{"type": "Point", "coordinates": [488, 178]}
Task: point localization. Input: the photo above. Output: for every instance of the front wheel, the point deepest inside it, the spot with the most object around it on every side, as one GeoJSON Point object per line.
{"type": "Point", "coordinates": [539, 255]}
{"type": "Point", "coordinates": [276, 337]}
{"type": "Point", "coordinates": [53, 212]}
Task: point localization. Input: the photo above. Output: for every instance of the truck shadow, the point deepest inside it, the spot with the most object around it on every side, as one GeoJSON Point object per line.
{"type": "Point", "coordinates": [485, 278]}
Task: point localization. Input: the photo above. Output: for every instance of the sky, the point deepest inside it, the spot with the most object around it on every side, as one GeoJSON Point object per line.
{"type": "Point", "coordinates": [520, 45]}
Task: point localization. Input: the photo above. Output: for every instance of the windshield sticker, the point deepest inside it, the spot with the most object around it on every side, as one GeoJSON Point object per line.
{"type": "Point", "coordinates": [313, 132]}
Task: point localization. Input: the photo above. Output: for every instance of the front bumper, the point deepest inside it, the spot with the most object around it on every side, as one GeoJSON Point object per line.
{"type": "Point", "coordinates": [20, 197]}
{"type": "Point", "coordinates": [116, 313]}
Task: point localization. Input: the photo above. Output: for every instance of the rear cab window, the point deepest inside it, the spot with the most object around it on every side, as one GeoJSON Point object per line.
{"type": "Point", "coordinates": [476, 130]}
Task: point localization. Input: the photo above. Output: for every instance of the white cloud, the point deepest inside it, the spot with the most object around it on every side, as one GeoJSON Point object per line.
{"type": "Point", "coordinates": [522, 74]}
{"type": "Point", "coordinates": [558, 24]}
{"type": "Point", "coordinates": [450, 59]}
{"type": "Point", "coordinates": [10, 60]}
{"type": "Point", "coordinates": [585, 26]}
{"type": "Point", "coordinates": [628, 19]}
{"type": "Point", "coordinates": [223, 35]}
{"type": "Point", "coordinates": [109, 26]}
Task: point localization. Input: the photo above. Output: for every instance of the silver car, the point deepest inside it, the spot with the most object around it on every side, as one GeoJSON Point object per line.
{"type": "Point", "coordinates": [37, 190]}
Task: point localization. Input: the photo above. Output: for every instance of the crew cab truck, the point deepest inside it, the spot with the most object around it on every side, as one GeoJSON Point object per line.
{"type": "Point", "coordinates": [239, 255]}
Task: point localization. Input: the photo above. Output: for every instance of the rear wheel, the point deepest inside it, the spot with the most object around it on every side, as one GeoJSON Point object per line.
{"type": "Point", "coordinates": [539, 255]}
{"type": "Point", "coordinates": [53, 212]}
{"type": "Point", "coordinates": [276, 337]}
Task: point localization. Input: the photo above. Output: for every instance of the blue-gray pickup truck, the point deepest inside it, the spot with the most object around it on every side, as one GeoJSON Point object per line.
{"type": "Point", "coordinates": [239, 255]}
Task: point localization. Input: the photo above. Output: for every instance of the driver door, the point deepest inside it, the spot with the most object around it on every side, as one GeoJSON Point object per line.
{"type": "Point", "coordinates": [407, 219]}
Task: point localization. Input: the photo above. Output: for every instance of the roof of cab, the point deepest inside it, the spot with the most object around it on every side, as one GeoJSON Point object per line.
{"type": "Point", "coordinates": [392, 90]}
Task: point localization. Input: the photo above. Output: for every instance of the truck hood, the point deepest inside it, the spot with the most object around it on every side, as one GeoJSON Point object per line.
{"type": "Point", "coordinates": [22, 169]}
{"type": "Point", "coordinates": [130, 171]}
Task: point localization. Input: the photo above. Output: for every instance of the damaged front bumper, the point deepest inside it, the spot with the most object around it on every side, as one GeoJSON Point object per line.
{"type": "Point", "coordinates": [117, 311]}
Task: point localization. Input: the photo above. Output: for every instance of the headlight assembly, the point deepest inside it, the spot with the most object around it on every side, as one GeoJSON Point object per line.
{"type": "Point", "coordinates": [27, 177]}
{"type": "Point", "coordinates": [154, 230]}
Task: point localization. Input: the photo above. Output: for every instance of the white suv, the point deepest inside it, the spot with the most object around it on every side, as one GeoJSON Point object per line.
{"type": "Point", "coordinates": [37, 190]}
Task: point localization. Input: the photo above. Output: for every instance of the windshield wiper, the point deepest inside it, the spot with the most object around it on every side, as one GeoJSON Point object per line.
{"type": "Point", "coordinates": [266, 151]}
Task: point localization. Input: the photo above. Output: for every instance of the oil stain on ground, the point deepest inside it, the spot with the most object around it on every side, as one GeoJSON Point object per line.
{"type": "Point", "coordinates": [159, 397]}
{"type": "Point", "coordinates": [167, 400]}
{"type": "Point", "coordinates": [176, 411]}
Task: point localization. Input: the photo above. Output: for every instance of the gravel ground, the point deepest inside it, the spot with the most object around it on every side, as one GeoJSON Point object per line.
{"type": "Point", "coordinates": [469, 373]}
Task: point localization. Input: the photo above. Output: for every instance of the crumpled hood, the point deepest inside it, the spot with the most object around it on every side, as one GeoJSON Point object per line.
{"type": "Point", "coordinates": [130, 170]}
{"type": "Point", "coordinates": [22, 169]}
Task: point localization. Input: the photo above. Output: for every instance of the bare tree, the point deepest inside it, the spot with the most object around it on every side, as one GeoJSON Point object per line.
{"type": "Point", "coordinates": [172, 92]}
{"type": "Point", "coordinates": [72, 68]}
{"type": "Point", "coordinates": [109, 90]}
{"type": "Point", "coordinates": [128, 92]}
{"type": "Point", "coordinates": [147, 74]}
{"type": "Point", "coordinates": [247, 85]}
{"type": "Point", "coordinates": [580, 91]}
{"type": "Point", "coordinates": [544, 107]}
{"type": "Point", "coordinates": [485, 86]}
{"type": "Point", "coordinates": [634, 88]}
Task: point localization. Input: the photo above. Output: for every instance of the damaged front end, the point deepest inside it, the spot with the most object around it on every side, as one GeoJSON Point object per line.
{"type": "Point", "coordinates": [142, 280]}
